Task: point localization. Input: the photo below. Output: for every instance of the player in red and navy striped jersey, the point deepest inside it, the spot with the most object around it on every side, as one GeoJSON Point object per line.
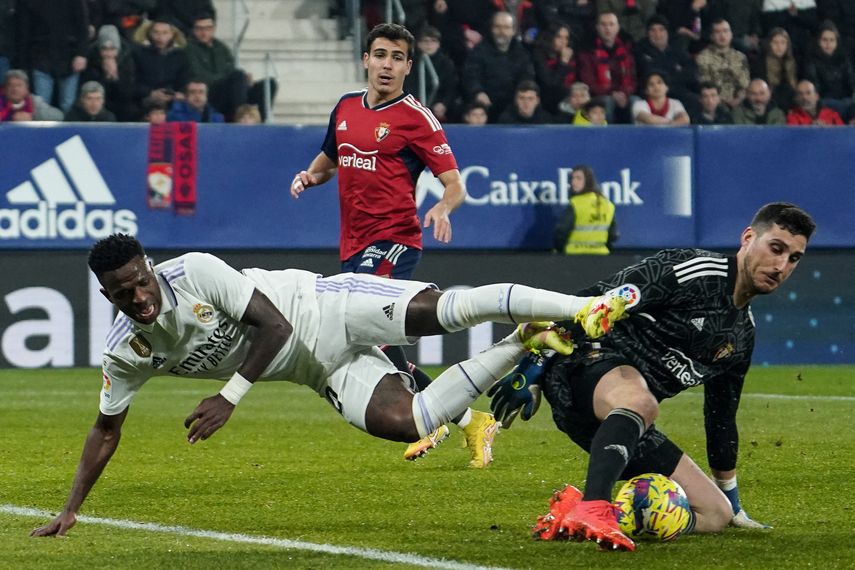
{"type": "Point", "coordinates": [378, 141]}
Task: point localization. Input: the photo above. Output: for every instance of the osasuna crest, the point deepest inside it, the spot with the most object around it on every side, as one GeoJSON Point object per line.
{"type": "Point", "coordinates": [203, 312]}
{"type": "Point", "coordinates": [381, 131]}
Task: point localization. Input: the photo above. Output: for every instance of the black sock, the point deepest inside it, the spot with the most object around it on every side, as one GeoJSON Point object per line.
{"type": "Point", "coordinates": [611, 448]}
{"type": "Point", "coordinates": [399, 359]}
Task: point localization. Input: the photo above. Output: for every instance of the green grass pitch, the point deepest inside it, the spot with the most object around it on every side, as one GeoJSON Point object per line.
{"type": "Point", "coordinates": [287, 467]}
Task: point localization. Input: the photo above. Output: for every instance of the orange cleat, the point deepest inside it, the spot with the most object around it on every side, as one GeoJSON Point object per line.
{"type": "Point", "coordinates": [596, 521]}
{"type": "Point", "coordinates": [561, 502]}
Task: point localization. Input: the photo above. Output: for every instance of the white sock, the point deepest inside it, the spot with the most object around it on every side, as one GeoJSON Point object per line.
{"type": "Point", "coordinates": [453, 390]}
{"type": "Point", "coordinates": [504, 303]}
{"type": "Point", "coordinates": [465, 418]}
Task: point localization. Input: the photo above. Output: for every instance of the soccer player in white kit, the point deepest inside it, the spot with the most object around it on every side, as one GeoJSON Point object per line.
{"type": "Point", "coordinates": [195, 316]}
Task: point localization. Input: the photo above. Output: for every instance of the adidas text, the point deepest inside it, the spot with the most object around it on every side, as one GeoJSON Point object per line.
{"type": "Point", "coordinates": [46, 222]}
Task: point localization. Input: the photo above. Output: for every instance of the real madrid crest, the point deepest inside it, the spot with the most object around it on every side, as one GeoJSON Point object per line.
{"type": "Point", "coordinates": [140, 346]}
{"type": "Point", "coordinates": [203, 312]}
{"type": "Point", "coordinates": [381, 131]}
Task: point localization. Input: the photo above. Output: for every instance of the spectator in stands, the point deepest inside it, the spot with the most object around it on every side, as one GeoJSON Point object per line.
{"type": "Point", "coordinates": [90, 106]}
{"type": "Point", "coordinates": [723, 65]}
{"type": "Point", "coordinates": [657, 108]}
{"type": "Point", "coordinates": [554, 65]}
{"type": "Point", "coordinates": [110, 62]}
{"type": "Point", "coordinates": [496, 66]}
{"type": "Point", "coordinates": [183, 13]}
{"type": "Point", "coordinates": [526, 109]}
{"type": "Point", "coordinates": [464, 24]}
{"type": "Point", "coordinates": [798, 17]}
{"type": "Point", "coordinates": [711, 111]}
{"type": "Point", "coordinates": [212, 61]}
{"type": "Point", "coordinates": [126, 15]}
{"type": "Point", "coordinates": [830, 70]}
{"type": "Point", "coordinates": [588, 225]}
{"type": "Point", "coordinates": [573, 103]}
{"type": "Point", "coordinates": [161, 62]}
{"type": "Point", "coordinates": [52, 43]}
{"type": "Point", "coordinates": [686, 18]}
{"type": "Point", "coordinates": [194, 107]}
{"type": "Point", "coordinates": [579, 15]}
{"type": "Point", "coordinates": [18, 104]}
{"type": "Point", "coordinates": [808, 110]}
{"type": "Point", "coordinates": [442, 97]}
{"type": "Point", "coordinates": [7, 35]}
{"type": "Point", "coordinates": [632, 15]}
{"type": "Point", "coordinates": [609, 68]}
{"type": "Point", "coordinates": [654, 53]}
{"type": "Point", "coordinates": [248, 114]}
{"type": "Point", "coordinates": [842, 13]}
{"type": "Point", "coordinates": [154, 111]}
{"type": "Point", "coordinates": [758, 108]}
{"type": "Point", "coordinates": [592, 114]}
{"type": "Point", "coordinates": [777, 66]}
{"type": "Point", "coordinates": [744, 17]}
{"type": "Point", "coordinates": [475, 114]}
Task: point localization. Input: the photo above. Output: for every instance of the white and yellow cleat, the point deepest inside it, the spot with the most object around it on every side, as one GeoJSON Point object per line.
{"type": "Point", "coordinates": [539, 336]}
{"type": "Point", "coordinates": [480, 433]}
{"type": "Point", "coordinates": [425, 444]}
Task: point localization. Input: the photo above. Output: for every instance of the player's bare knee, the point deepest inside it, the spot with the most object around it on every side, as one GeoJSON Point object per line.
{"type": "Point", "coordinates": [421, 314]}
{"type": "Point", "coordinates": [646, 406]}
{"type": "Point", "coordinates": [721, 514]}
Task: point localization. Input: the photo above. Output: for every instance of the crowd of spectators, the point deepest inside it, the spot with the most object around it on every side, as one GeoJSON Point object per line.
{"type": "Point", "coordinates": [662, 62]}
{"type": "Point", "coordinates": [121, 60]}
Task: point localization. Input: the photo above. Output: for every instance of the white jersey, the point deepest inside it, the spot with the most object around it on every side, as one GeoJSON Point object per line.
{"type": "Point", "coordinates": [198, 332]}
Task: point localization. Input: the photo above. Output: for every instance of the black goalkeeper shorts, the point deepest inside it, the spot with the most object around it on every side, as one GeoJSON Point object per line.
{"type": "Point", "coordinates": [569, 388]}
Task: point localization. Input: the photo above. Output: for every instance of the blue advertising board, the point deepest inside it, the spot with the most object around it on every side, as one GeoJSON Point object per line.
{"type": "Point", "coordinates": [63, 186]}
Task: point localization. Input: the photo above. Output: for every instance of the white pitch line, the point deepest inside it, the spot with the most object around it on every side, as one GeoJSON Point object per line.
{"type": "Point", "coordinates": [282, 543]}
{"type": "Point", "coordinates": [785, 397]}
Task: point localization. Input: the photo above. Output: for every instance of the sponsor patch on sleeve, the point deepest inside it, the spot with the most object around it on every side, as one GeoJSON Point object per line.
{"type": "Point", "coordinates": [630, 293]}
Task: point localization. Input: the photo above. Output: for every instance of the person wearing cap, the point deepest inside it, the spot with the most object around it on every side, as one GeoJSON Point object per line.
{"type": "Point", "coordinates": [112, 65]}
{"type": "Point", "coordinates": [90, 106]}
{"type": "Point", "coordinates": [656, 53]}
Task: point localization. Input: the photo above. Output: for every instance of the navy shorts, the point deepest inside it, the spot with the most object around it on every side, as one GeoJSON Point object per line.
{"type": "Point", "coordinates": [569, 386]}
{"type": "Point", "coordinates": [384, 259]}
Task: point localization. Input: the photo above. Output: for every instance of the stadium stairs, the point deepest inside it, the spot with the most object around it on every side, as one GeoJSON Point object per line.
{"type": "Point", "coordinates": [313, 65]}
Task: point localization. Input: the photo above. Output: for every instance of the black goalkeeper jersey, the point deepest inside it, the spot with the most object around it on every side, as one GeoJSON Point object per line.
{"type": "Point", "coordinates": [683, 330]}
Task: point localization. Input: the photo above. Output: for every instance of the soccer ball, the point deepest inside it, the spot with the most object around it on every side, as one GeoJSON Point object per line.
{"type": "Point", "coordinates": [652, 507]}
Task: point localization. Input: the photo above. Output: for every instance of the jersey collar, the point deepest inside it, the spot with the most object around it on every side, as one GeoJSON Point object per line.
{"type": "Point", "coordinates": [381, 105]}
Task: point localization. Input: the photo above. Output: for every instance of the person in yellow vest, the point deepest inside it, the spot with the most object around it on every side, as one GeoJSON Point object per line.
{"type": "Point", "coordinates": [588, 225]}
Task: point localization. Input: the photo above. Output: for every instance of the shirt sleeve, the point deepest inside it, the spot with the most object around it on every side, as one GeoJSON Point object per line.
{"type": "Point", "coordinates": [121, 381]}
{"type": "Point", "coordinates": [218, 283]}
{"type": "Point", "coordinates": [330, 147]}
{"type": "Point", "coordinates": [721, 401]}
{"type": "Point", "coordinates": [638, 108]}
{"type": "Point", "coordinates": [429, 142]}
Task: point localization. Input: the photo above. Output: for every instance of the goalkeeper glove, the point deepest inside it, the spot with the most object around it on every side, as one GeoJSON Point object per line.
{"type": "Point", "coordinates": [600, 313]}
{"type": "Point", "coordinates": [518, 393]}
{"type": "Point", "coordinates": [740, 517]}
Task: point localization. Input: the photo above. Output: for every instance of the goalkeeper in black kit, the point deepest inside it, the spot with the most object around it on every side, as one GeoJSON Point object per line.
{"type": "Point", "coordinates": [689, 323]}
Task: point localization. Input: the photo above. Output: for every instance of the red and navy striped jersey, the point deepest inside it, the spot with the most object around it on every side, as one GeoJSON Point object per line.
{"type": "Point", "coordinates": [380, 153]}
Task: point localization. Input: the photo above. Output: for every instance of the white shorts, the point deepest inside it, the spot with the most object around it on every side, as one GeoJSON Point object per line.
{"type": "Point", "coordinates": [358, 312]}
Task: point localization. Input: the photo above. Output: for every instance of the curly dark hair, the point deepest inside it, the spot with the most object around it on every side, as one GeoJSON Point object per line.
{"type": "Point", "coordinates": [788, 216]}
{"type": "Point", "coordinates": [112, 252]}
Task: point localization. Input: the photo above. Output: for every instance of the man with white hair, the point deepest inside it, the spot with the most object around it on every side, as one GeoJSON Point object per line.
{"type": "Point", "coordinates": [90, 106]}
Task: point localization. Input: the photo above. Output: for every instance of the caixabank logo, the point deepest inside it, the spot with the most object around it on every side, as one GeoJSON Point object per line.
{"type": "Point", "coordinates": [67, 199]}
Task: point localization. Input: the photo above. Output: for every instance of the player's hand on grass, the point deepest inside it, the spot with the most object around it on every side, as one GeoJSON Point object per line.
{"type": "Point", "coordinates": [742, 520]}
{"type": "Point", "coordinates": [60, 525]}
{"type": "Point", "coordinates": [518, 393]}
{"type": "Point", "coordinates": [438, 216]}
{"type": "Point", "coordinates": [209, 416]}
{"type": "Point", "coordinates": [302, 181]}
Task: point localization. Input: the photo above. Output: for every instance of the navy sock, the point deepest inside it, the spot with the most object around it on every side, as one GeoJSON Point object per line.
{"type": "Point", "coordinates": [611, 448]}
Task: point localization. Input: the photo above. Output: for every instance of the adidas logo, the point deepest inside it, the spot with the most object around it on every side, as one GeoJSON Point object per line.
{"type": "Point", "coordinates": [389, 311]}
{"type": "Point", "coordinates": [342, 126]}
{"type": "Point", "coordinates": [367, 263]}
{"type": "Point", "coordinates": [49, 208]}
{"type": "Point", "coordinates": [698, 322]}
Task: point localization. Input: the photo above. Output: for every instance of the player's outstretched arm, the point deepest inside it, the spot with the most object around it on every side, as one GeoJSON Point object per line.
{"type": "Point", "coordinates": [321, 170]}
{"type": "Point", "coordinates": [274, 330]}
{"type": "Point", "coordinates": [452, 198]}
{"type": "Point", "coordinates": [101, 443]}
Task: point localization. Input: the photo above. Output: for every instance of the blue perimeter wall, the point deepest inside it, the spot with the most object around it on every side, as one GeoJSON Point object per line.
{"type": "Point", "coordinates": [673, 187]}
